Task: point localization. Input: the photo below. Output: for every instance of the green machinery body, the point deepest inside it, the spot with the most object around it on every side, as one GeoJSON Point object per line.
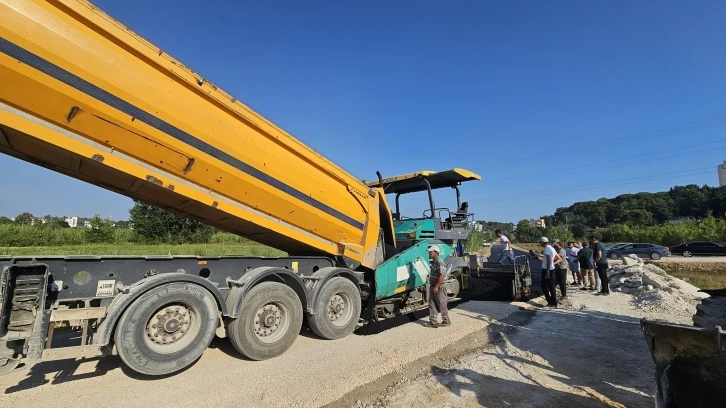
{"type": "Point", "coordinates": [410, 268]}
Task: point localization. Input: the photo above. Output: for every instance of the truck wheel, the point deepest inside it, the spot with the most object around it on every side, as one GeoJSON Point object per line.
{"type": "Point", "coordinates": [711, 312]}
{"type": "Point", "coordinates": [337, 309]}
{"type": "Point", "coordinates": [167, 328]}
{"type": "Point", "coordinates": [269, 321]}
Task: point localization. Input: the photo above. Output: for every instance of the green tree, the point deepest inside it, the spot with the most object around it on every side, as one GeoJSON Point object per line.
{"type": "Point", "coordinates": [25, 218]}
{"type": "Point", "coordinates": [123, 224]}
{"type": "Point", "coordinates": [58, 223]}
{"type": "Point", "coordinates": [100, 231]}
{"type": "Point", "coordinates": [525, 232]}
{"type": "Point", "coordinates": [637, 217]}
{"type": "Point", "coordinates": [154, 224]}
{"type": "Point", "coordinates": [5, 220]}
{"type": "Point", "coordinates": [560, 232]}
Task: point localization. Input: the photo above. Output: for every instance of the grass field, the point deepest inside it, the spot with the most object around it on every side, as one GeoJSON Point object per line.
{"type": "Point", "coordinates": [702, 275]}
{"type": "Point", "coordinates": [131, 249]}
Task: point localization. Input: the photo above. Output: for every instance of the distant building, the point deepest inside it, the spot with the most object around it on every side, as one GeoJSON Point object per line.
{"type": "Point", "coordinates": [722, 174]}
{"type": "Point", "coordinates": [72, 221]}
{"type": "Point", "coordinates": [87, 224]}
{"type": "Point", "coordinates": [540, 223]}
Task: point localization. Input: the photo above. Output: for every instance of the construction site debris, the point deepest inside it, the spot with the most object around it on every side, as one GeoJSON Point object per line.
{"type": "Point", "coordinates": [653, 289]}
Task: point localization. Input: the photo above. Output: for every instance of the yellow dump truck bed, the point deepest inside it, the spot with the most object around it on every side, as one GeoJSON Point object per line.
{"type": "Point", "coordinates": [83, 95]}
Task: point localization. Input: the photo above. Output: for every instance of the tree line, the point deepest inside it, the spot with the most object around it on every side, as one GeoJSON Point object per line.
{"type": "Point", "coordinates": [147, 224]}
{"type": "Point", "coordinates": [680, 214]}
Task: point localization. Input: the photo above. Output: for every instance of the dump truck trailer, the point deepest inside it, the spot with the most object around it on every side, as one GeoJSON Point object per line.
{"type": "Point", "coordinates": [83, 95]}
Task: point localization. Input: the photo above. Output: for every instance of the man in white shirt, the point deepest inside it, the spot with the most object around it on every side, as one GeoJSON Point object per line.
{"type": "Point", "coordinates": [549, 258]}
{"type": "Point", "coordinates": [572, 260]}
{"type": "Point", "coordinates": [506, 247]}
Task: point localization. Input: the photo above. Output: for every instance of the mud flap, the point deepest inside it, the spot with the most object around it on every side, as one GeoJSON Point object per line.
{"type": "Point", "coordinates": [23, 318]}
{"type": "Point", "coordinates": [690, 364]}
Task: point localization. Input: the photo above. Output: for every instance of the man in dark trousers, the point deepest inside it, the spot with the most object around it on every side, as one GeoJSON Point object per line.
{"type": "Point", "coordinates": [438, 301]}
{"type": "Point", "coordinates": [561, 267]}
{"type": "Point", "coordinates": [601, 264]}
{"type": "Point", "coordinates": [549, 258]}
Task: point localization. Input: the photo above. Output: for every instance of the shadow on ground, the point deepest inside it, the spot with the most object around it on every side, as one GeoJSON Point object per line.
{"type": "Point", "coordinates": [559, 360]}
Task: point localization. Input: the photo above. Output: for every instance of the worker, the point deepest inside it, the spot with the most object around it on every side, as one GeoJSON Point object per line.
{"type": "Point", "coordinates": [601, 264]}
{"type": "Point", "coordinates": [438, 301]}
{"type": "Point", "coordinates": [506, 247]}
{"type": "Point", "coordinates": [587, 265]}
{"type": "Point", "coordinates": [549, 259]}
{"type": "Point", "coordinates": [561, 267]}
{"type": "Point", "coordinates": [572, 260]}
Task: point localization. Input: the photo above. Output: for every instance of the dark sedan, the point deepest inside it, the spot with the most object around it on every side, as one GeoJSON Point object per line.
{"type": "Point", "coordinates": [642, 250]}
{"type": "Point", "coordinates": [693, 248]}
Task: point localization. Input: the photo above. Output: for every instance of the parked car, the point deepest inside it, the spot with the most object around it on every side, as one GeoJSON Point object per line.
{"type": "Point", "coordinates": [617, 245]}
{"type": "Point", "coordinates": [642, 250]}
{"type": "Point", "coordinates": [694, 248]}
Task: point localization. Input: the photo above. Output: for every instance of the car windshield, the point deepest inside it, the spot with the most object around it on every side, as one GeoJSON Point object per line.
{"type": "Point", "coordinates": [616, 246]}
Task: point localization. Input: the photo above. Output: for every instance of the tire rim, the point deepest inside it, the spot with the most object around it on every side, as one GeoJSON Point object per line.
{"type": "Point", "coordinates": [271, 322]}
{"type": "Point", "coordinates": [687, 254]}
{"type": "Point", "coordinates": [172, 327]}
{"type": "Point", "coordinates": [655, 256]}
{"type": "Point", "coordinates": [340, 310]}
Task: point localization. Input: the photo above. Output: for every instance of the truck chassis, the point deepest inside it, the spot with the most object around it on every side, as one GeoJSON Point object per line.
{"type": "Point", "coordinates": [160, 313]}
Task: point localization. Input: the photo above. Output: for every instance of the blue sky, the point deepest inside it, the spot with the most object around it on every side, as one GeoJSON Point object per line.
{"type": "Point", "coordinates": [551, 102]}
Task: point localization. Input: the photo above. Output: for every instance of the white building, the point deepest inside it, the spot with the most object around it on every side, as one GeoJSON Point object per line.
{"type": "Point", "coordinates": [540, 223]}
{"type": "Point", "coordinates": [722, 174]}
{"type": "Point", "coordinates": [72, 221]}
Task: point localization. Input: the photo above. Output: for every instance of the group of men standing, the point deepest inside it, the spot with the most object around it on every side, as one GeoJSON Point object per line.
{"type": "Point", "coordinates": [582, 259]}
{"type": "Point", "coordinates": [586, 261]}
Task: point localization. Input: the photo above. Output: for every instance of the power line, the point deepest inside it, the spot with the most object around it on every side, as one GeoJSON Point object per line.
{"type": "Point", "coordinates": [551, 176]}
{"type": "Point", "coordinates": [623, 184]}
{"type": "Point", "coordinates": [525, 163]}
{"type": "Point", "coordinates": [652, 132]}
{"type": "Point", "coordinates": [601, 185]}
{"type": "Point", "coordinates": [599, 163]}
{"type": "Point", "coordinates": [585, 187]}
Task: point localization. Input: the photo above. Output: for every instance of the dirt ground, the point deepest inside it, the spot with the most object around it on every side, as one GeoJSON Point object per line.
{"type": "Point", "coordinates": [312, 373]}
{"type": "Point", "coordinates": [588, 353]}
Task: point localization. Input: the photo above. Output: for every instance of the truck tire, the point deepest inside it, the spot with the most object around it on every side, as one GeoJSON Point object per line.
{"type": "Point", "coordinates": [269, 321]}
{"type": "Point", "coordinates": [337, 309]}
{"type": "Point", "coordinates": [711, 312]}
{"type": "Point", "coordinates": [167, 328]}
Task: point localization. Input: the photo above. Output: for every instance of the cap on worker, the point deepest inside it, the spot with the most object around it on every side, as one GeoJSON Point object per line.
{"type": "Point", "coordinates": [544, 239]}
{"type": "Point", "coordinates": [555, 241]}
{"type": "Point", "coordinates": [434, 248]}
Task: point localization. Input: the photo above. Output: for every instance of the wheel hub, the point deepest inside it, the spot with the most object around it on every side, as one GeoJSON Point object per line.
{"type": "Point", "coordinates": [336, 307]}
{"type": "Point", "coordinates": [267, 320]}
{"type": "Point", "coordinates": [169, 324]}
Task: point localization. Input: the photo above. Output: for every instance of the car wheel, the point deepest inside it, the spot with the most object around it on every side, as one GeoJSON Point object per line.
{"type": "Point", "coordinates": [615, 255]}
{"type": "Point", "coordinates": [687, 254]}
{"type": "Point", "coordinates": [655, 255]}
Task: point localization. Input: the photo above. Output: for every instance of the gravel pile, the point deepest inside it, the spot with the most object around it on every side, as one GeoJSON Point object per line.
{"type": "Point", "coordinates": [654, 290]}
